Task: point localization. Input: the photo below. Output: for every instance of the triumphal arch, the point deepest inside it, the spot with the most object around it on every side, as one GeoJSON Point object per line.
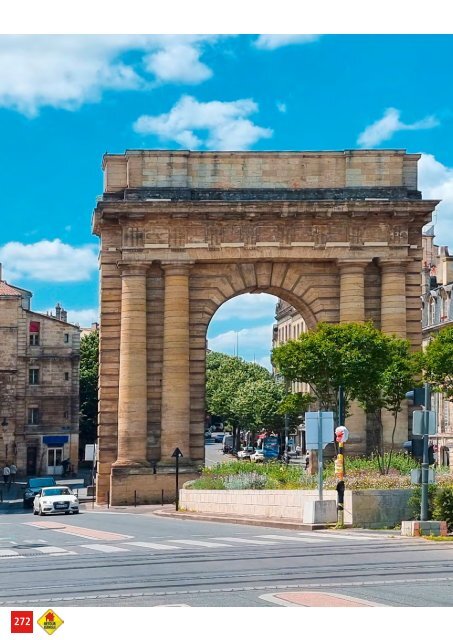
{"type": "Point", "coordinates": [335, 234]}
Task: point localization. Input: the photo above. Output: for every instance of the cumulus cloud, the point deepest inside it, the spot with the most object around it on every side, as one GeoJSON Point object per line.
{"type": "Point", "coordinates": [436, 183]}
{"type": "Point", "coordinates": [275, 41]}
{"type": "Point", "coordinates": [48, 260]}
{"type": "Point", "coordinates": [249, 341]}
{"type": "Point", "coordinates": [214, 125]}
{"type": "Point", "coordinates": [68, 70]}
{"type": "Point", "coordinates": [249, 306]}
{"type": "Point", "coordinates": [388, 125]}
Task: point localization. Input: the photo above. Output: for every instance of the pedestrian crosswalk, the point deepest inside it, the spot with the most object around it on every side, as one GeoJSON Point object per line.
{"type": "Point", "coordinates": [12, 550]}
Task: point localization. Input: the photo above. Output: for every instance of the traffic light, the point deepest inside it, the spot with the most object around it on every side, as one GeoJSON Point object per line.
{"type": "Point", "coordinates": [415, 448]}
{"type": "Point", "coordinates": [417, 396]}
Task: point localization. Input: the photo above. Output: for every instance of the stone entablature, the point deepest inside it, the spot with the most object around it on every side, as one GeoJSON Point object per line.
{"type": "Point", "coordinates": [168, 263]}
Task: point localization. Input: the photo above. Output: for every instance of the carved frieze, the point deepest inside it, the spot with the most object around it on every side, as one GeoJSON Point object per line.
{"type": "Point", "coordinates": [398, 235]}
{"type": "Point", "coordinates": [157, 235]}
{"type": "Point", "coordinates": [133, 237]}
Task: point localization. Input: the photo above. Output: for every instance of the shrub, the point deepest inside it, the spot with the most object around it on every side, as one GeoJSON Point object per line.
{"type": "Point", "coordinates": [443, 505]}
{"type": "Point", "coordinates": [245, 481]}
{"type": "Point", "coordinates": [415, 501]}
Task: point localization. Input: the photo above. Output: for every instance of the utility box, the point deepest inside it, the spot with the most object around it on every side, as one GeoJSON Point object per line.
{"type": "Point", "coordinates": [416, 476]}
{"type": "Point", "coordinates": [320, 512]}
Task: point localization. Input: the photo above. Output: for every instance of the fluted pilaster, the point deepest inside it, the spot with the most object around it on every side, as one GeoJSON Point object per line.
{"type": "Point", "coordinates": [352, 290]}
{"type": "Point", "coordinates": [132, 392]}
{"type": "Point", "coordinates": [175, 424]}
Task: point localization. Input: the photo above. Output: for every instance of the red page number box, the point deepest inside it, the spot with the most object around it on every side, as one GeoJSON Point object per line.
{"type": "Point", "coordinates": [21, 621]}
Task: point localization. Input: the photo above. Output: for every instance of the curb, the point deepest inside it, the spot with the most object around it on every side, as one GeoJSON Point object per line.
{"type": "Point", "coordinates": [278, 524]}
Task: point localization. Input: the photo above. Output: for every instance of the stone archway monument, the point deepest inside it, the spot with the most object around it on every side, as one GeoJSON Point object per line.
{"type": "Point", "coordinates": [335, 234]}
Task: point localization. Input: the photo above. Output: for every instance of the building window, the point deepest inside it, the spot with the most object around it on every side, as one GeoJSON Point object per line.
{"type": "Point", "coordinates": [34, 339]}
{"type": "Point", "coordinates": [33, 376]}
{"type": "Point", "coordinates": [66, 337]}
{"type": "Point", "coordinates": [65, 414]}
{"type": "Point", "coordinates": [66, 375]}
{"type": "Point", "coordinates": [33, 415]}
{"type": "Point", "coordinates": [432, 311]}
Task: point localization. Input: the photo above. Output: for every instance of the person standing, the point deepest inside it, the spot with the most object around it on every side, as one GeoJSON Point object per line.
{"type": "Point", "coordinates": [6, 474]}
{"type": "Point", "coordinates": [13, 471]}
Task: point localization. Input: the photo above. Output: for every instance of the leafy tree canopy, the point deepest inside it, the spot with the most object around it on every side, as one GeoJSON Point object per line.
{"type": "Point", "coordinates": [89, 369]}
{"type": "Point", "coordinates": [437, 362]}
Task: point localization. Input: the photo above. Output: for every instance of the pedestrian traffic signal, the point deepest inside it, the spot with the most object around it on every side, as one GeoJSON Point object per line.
{"type": "Point", "coordinates": [415, 448]}
{"type": "Point", "coordinates": [417, 396]}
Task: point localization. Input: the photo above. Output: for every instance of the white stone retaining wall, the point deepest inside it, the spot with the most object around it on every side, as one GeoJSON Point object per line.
{"type": "Point", "coordinates": [366, 508]}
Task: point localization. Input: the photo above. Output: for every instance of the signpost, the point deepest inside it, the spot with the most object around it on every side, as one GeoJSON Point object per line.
{"type": "Point", "coordinates": [177, 454]}
{"type": "Point", "coordinates": [318, 434]}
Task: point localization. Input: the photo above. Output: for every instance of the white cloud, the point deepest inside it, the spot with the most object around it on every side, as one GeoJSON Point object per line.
{"type": "Point", "coordinates": [281, 106]}
{"type": "Point", "coordinates": [48, 260]}
{"type": "Point", "coordinates": [226, 124]}
{"type": "Point", "coordinates": [255, 339]}
{"type": "Point", "coordinates": [389, 124]}
{"type": "Point", "coordinates": [68, 70]}
{"type": "Point", "coordinates": [274, 41]}
{"type": "Point", "coordinates": [249, 306]}
{"type": "Point", "coordinates": [436, 183]}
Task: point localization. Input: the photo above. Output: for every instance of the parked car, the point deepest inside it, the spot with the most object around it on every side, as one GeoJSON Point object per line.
{"type": "Point", "coordinates": [246, 452]}
{"type": "Point", "coordinates": [218, 437]}
{"type": "Point", "coordinates": [34, 486]}
{"type": "Point", "coordinates": [258, 456]}
{"type": "Point", "coordinates": [56, 499]}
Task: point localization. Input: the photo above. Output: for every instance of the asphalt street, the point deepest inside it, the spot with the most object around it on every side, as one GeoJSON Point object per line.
{"type": "Point", "coordinates": [121, 558]}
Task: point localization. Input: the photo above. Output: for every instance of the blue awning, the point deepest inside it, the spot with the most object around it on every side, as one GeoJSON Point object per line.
{"type": "Point", "coordinates": [55, 441]}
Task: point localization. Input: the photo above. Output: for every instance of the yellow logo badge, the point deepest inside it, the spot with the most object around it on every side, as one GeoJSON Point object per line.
{"type": "Point", "coordinates": [50, 621]}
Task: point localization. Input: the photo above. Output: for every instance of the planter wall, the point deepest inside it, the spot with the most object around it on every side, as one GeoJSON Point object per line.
{"type": "Point", "coordinates": [364, 508]}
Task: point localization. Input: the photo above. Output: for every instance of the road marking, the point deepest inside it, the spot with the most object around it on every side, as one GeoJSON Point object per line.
{"type": "Point", "coordinates": [282, 538]}
{"type": "Point", "coordinates": [57, 551]}
{"type": "Point", "coordinates": [347, 536]}
{"type": "Point", "coordinates": [316, 599]}
{"type": "Point", "coordinates": [201, 543]}
{"type": "Point", "coordinates": [152, 545]}
{"type": "Point", "coordinates": [246, 540]}
{"type": "Point", "coordinates": [80, 532]}
{"type": "Point", "coordinates": [9, 553]}
{"type": "Point", "coordinates": [105, 548]}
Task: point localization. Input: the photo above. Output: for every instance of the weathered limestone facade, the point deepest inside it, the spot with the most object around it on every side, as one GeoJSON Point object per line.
{"type": "Point", "coordinates": [39, 386]}
{"type": "Point", "coordinates": [335, 234]}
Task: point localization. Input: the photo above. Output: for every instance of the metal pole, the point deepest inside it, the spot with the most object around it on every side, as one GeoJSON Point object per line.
{"type": "Point", "coordinates": [108, 499]}
{"type": "Point", "coordinates": [425, 463]}
{"type": "Point", "coordinates": [286, 436]}
{"type": "Point", "coordinates": [320, 460]}
{"type": "Point", "coordinates": [177, 483]}
{"type": "Point", "coordinates": [135, 498]}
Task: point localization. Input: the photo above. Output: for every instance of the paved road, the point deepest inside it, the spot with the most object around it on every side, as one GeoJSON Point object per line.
{"type": "Point", "coordinates": [115, 558]}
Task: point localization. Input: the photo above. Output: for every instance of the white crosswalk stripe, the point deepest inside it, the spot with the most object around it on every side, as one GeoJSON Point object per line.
{"type": "Point", "coordinates": [202, 543]}
{"type": "Point", "coordinates": [246, 540]}
{"type": "Point", "coordinates": [347, 536]}
{"type": "Point", "coordinates": [55, 551]}
{"type": "Point", "coordinates": [105, 548]}
{"type": "Point", "coordinates": [283, 538]}
{"type": "Point", "coordinates": [9, 553]}
{"type": "Point", "coordinates": [152, 545]}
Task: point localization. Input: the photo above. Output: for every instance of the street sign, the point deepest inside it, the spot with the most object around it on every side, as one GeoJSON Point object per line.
{"type": "Point", "coordinates": [341, 434]}
{"type": "Point", "coordinates": [311, 428]}
{"type": "Point", "coordinates": [90, 452]}
{"type": "Point", "coordinates": [417, 423]}
{"type": "Point", "coordinates": [177, 453]}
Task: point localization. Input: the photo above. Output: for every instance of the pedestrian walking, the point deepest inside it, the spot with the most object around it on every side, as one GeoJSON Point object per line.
{"type": "Point", "coordinates": [6, 474]}
{"type": "Point", "coordinates": [307, 460]}
{"type": "Point", "coordinates": [298, 450]}
{"type": "Point", "coordinates": [13, 471]}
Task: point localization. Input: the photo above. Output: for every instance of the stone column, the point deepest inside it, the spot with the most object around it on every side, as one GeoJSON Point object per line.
{"type": "Point", "coordinates": [393, 297]}
{"type": "Point", "coordinates": [393, 321]}
{"type": "Point", "coordinates": [352, 290]}
{"type": "Point", "coordinates": [175, 421]}
{"type": "Point", "coordinates": [132, 391]}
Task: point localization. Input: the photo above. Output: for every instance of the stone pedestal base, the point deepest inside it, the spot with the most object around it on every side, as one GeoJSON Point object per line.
{"type": "Point", "coordinates": [320, 512]}
{"type": "Point", "coordinates": [424, 528]}
{"type": "Point", "coordinates": [131, 485]}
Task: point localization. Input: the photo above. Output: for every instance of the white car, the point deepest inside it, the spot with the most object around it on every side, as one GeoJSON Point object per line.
{"type": "Point", "coordinates": [56, 499]}
{"type": "Point", "coordinates": [258, 456]}
{"type": "Point", "coordinates": [245, 453]}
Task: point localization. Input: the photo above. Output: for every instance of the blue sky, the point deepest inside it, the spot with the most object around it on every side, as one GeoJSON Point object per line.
{"type": "Point", "coordinates": [65, 100]}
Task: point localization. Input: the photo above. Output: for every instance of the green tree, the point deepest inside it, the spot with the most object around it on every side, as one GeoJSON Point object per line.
{"type": "Point", "coordinates": [437, 362]}
{"type": "Point", "coordinates": [371, 367]}
{"type": "Point", "coordinates": [89, 371]}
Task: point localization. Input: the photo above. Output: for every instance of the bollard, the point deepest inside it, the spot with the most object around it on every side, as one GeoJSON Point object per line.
{"type": "Point", "coordinates": [135, 498]}
{"type": "Point", "coordinates": [162, 497]}
{"type": "Point", "coordinates": [108, 499]}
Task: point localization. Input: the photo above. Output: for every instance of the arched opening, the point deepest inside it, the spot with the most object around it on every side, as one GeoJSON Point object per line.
{"type": "Point", "coordinates": [246, 327]}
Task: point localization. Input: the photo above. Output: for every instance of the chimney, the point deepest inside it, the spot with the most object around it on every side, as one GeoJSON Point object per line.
{"type": "Point", "coordinates": [64, 315]}
{"type": "Point", "coordinates": [58, 311]}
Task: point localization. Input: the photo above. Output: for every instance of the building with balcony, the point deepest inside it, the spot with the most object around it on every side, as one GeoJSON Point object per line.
{"type": "Point", "coordinates": [39, 386]}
